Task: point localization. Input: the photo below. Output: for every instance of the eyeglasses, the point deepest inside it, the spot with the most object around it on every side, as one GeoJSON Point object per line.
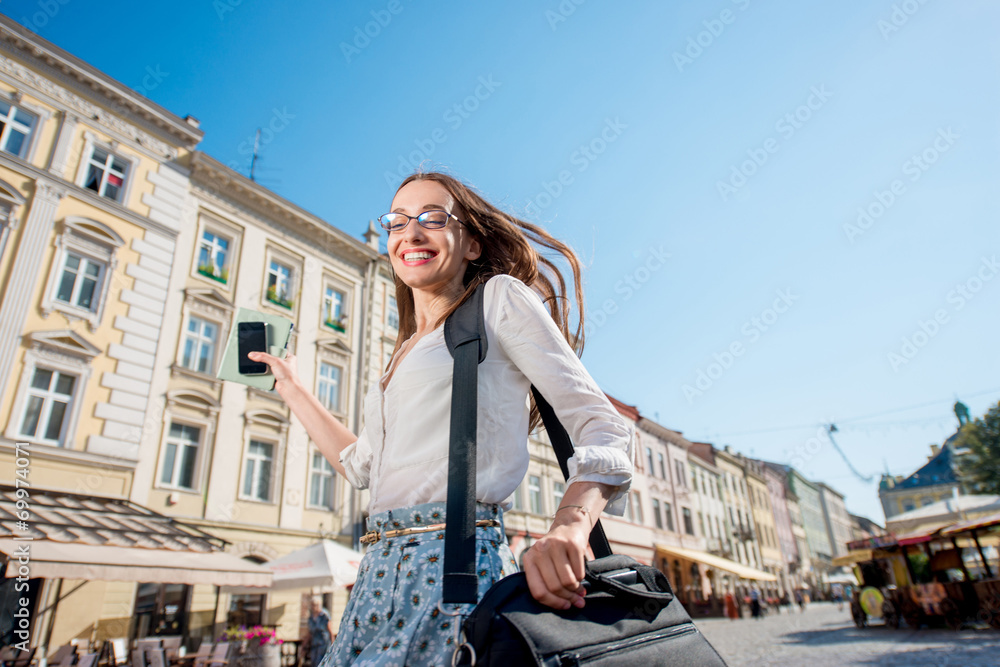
{"type": "Point", "coordinates": [397, 222]}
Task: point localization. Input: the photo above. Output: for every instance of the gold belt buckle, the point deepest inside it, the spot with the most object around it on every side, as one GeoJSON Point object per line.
{"type": "Point", "coordinates": [373, 536]}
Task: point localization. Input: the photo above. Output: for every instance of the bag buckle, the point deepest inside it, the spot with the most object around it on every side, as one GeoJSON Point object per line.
{"type": "Point", "coordinates": [457, 655]}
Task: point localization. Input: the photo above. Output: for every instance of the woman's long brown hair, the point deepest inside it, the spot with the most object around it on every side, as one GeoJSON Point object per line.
{"type": "Point", "coordinates": [506, 249]}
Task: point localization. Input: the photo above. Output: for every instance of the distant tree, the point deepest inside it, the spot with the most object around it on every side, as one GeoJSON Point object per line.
{"type": "Point", "coordinates": [980, 468]}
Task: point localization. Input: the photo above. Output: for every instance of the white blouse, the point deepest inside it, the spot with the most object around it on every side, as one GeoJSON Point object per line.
{"type": "Point", "coordinates": [402, 453]}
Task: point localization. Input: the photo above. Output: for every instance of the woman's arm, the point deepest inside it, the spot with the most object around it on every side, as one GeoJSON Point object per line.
{"type": "Point", "coordinates": [601, 466]}
{"type": "Point", "coordinates": [329, 434]}
{"type": "Point", "coordinates": [554, 565]}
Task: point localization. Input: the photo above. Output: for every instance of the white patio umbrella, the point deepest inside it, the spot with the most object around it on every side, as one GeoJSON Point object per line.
{"type": "Point", "coordinates": [325, 563]}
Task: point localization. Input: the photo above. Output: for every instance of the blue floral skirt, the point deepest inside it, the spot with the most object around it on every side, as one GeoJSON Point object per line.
{"type": "Point", "coordinates": [393, 616]}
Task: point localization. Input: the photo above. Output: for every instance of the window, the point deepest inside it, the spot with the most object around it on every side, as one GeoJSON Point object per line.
{"type": "Point", "coordinates": [668, 513]}
{"type": "Point", "coordinates": [558, 491]}
{"type": "Point", "coordinates": [688, 523]}
{"type": "Point", "coordinates": [657, 517]}
{"type": "Point", "coordinates": [681, 477]}
{"type": "Point", "coordinates": [333, 309]}
{"type": "Point", "coordinates": [518, 504]}
{"type": "Point", "coordinates": [106, 174]}
{"type": "Point", "coordinates": [711, 487]}
{"type": "Point", "coordinates": [79, 280]}
{"type": "Point", "coordinates": [247, 610]}
{"type": "Point", "coordinates": [49, 398]}
{"type": "Point", "coordinates": [213, 256]}
{"type": "Point", "coordinates": [663, 466]}
{"type": "Point", "coordinates": [257, 471]}
{"type": "Point", "coordinates": [701, 523]}
{"type": "Point", "coordinates": [200, 338]}
{"type": "Point", "coordinates": [163, 607]}
{"type": "Point", "coordinates": [926, 500]}
{"type": "Point", "coordinates": [328, 386]}
{"type": "Point", "coordinates": [649, 458]}
{"type": "Point", "coordinates": [320, 482]}
{"type": "Point", "coordinates": [279, 284]}
{"type": "Point", "coordinates": [180, 455]}
{"type": "Point", "coordinates": [15, 129]}
{"type": "Point", "coordinates": [535, 493]}
{"type": "Point", "coordinates": [392, 314]}
{"type": "Point", "coordinates": [637, 498]}
{"type": "Point", "coordinates": [718, 527]}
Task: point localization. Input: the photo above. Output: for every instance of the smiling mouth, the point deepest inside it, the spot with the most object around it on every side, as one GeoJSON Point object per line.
{"type": "Point", "coordinates": [419, 256]}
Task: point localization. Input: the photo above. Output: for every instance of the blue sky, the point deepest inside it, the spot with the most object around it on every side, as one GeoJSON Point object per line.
{"type": "Point", "coordinates": [707, 160]}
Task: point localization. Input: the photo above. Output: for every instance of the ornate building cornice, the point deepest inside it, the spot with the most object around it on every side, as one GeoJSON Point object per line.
{"type": "Point", "coordinates": [221, 184]}
{"type": "Point", "coordinates": [71, 71]}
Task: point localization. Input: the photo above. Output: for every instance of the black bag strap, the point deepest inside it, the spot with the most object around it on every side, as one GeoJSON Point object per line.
{"type": "Point", "coordinates": [465, 335]}
{"type": "Point", "coordinates": [563, 447]}
{"type": "Point", "coordinates": [466, 339]}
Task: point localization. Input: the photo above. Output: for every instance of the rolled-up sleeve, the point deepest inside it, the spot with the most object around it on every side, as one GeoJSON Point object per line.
{"type": "Point", "coordinates": [357, 461]}
{"type": "Point", "coordinates": [602, 438]}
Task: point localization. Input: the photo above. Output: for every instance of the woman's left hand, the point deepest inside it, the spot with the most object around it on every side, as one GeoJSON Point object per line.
{"type": "Point", "coordinates": [554, 565]}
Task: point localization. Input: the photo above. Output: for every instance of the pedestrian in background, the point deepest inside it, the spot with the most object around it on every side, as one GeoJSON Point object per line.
{"type": "Point", "coordinates": [755, 602]}
{"type": "Point", "coordinates": [320, 632]}
{"type": "Point", "coordinates": [732, 611]}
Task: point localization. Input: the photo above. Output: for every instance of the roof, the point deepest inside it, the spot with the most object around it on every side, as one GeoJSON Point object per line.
{"type": "Point", "coordinates": [704, 451]}
{"type": "Point", "coordinates": [941, 469]}
{"type": "Point", "coordinates": [75, 536]}
{"type": "Point", "coordinates": [960, 504]}
{"type": "Point", "coordinates": [91, 80]}
{"type": "Point", "coordinates": [630, 411]}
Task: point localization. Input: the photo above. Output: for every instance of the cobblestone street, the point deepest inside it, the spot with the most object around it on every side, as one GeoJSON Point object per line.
{"type": "Point", "coordinates": [822, 636]}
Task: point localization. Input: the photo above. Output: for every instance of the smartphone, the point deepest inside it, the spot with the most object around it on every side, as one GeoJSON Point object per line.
{"type": "Point", "coordinates": [252, 337]}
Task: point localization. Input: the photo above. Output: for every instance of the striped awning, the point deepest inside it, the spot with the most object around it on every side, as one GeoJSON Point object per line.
{"type": "Point", "coordinates": [63, 535]}
{"type": "Point", "coordinates": [718, 562]}
{"type": "Point", "coordinates": [988, 521]}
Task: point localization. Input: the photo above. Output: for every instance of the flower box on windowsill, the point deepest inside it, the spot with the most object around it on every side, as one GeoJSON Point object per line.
{"type": "Point", "coordinates": [209, 272]}
{"type": "Point", "coordinates": [273, 297]}
{"type": "Point", "coordinates": [340, 326]}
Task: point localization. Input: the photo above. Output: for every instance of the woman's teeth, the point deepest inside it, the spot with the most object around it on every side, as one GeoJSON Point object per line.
{"type": "Point", "coordinates": [416, 256]}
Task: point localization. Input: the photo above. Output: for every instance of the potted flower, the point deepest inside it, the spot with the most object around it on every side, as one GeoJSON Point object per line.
{"type": "Point", "coordinates": [259, 646]}
{"type": "Point", "coordinates": [338, 324]}
{"type": "Point", "coordinates": [214, 272]}
{"type": "Point", "coordinates": [274, 297]}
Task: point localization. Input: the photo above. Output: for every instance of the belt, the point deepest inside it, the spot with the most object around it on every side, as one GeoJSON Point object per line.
{"type": "Point", "coordinates": [373, 536]}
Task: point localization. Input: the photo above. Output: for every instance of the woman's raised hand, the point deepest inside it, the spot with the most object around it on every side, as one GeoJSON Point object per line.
{"type": "Point", "coordinates": [285, 370]}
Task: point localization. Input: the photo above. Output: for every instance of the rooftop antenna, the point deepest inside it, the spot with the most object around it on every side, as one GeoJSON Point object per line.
{"type": "Point", "coordinates": [253, 159]}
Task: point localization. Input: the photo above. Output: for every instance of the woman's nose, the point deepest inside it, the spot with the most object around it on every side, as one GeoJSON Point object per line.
{"type": "Point", "coordinates": [413, 232]}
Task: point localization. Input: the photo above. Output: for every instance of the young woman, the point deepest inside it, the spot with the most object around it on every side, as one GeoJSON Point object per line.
{"type": "Point", "coordinates": [444, 240]}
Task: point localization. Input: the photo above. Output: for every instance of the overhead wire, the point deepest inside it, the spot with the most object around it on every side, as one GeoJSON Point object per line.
{"type": "Point", "coordinates": [853, 420]}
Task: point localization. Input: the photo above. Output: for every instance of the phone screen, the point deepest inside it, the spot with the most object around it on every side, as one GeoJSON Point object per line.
{"type": "Point", "coordinates": [252, 338]}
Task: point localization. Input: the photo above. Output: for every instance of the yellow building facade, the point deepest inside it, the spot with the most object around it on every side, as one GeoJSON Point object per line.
{"type": "Point", "coordinates": [89, 174]}
{"type": "Point", "coordinates": [124, 254]}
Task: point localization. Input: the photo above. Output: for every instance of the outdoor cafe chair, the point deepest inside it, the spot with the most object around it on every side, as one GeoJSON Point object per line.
{"type": "Point", "coordinates": [172, 646]}
{"type": "Point", "coordinates": [201, 657]}
{"type": "Point", "coordinates": [156, 657]}
{"type": "Point", "coordinates": [148, 643]}
{"type": "Point", "coordinates": [11, 656]}
{"type": "Point", "coordinates": [62, 654]}
{"type": "Point", "coordinates": [118, 648]}
{"type": "Point", "coordinates": [138, 658]}
{"type": "Point", "coordinates": [219, 654]}
{"type": "Point", "coordinates": [87, 660]}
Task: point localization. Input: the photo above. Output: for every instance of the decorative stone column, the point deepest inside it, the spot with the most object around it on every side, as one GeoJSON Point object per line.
{"type": "Point", "coordinates": [24, 274]}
